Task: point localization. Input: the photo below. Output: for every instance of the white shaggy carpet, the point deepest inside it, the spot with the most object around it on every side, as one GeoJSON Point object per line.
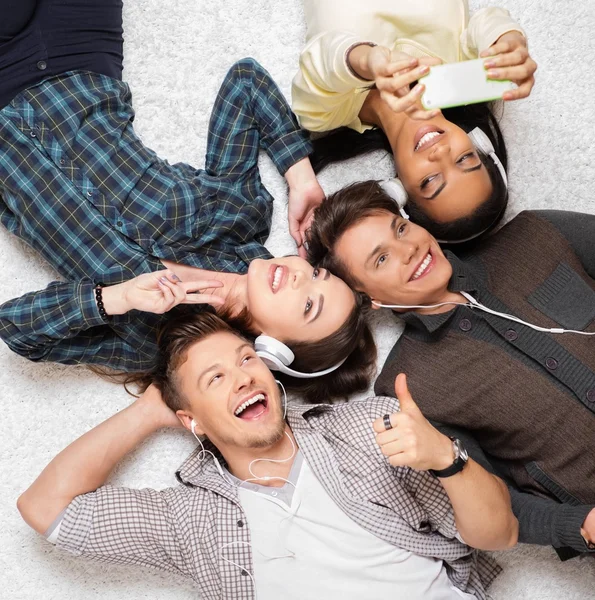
{"type": "Point", "coordinates": [176, 55]}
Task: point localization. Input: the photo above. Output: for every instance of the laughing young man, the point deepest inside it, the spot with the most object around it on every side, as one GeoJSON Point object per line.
{"type": "Point", "coordinates": [527, 396]}
{"type": "Point", "coordinates": [331, 502]}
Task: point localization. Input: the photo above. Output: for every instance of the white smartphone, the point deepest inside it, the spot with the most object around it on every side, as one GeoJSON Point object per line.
{"type": "Point", "coordinates": [460, 83]}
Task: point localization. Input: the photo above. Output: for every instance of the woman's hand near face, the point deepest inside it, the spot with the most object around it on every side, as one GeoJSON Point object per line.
{"type": "Point", "coordinates": [305, 196]}
{"type": "Point", "coordinates": [393, 73]}
{"type": "Point", "coordinates": [158, 293]}
{"type": "Point", "coordinates": [509, 59]}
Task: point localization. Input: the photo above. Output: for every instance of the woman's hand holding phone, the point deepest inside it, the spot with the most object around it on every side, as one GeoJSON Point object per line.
{"type": "Point", "coordinates": [393, 73]}
{"type": "Point", "coordinates": [509, 59]}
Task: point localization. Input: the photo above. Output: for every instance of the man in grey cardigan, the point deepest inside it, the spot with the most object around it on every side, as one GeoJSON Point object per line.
{"type": "Point", "coordinates": [524, 399]}
{"type": "Point", "coordinates": [329, 502]}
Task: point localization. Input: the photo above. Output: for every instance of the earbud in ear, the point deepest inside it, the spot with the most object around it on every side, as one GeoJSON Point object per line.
{"type": "Point", "coordinates": [192, 426]}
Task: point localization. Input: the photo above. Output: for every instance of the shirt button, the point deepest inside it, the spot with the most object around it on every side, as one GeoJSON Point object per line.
{"type": "Point", "coordinates": [240, 523]}
{"type": "Point", "coordinates": [465, 325]}
{"type": "Point", "coordinates": [42, 65]}
{"type": "Point", "coordinates": [511, 335]}
{"type": "Point", "coordinates": [90, 194]}
{"type": "Point", "coordinates": [591, 395]}
{"type": "Point", "coordinates": [32, 133]}
{"type": "Point", "coordinates": [273, 493]}
{"type": "Point", "coordinates": [119, 223]}
{"type": "Point", "coordinates": [551, 363]}
{"type": "Point", "coordinates": [62, 162]}
{"type": "Point", "coordinates": [244, 573]}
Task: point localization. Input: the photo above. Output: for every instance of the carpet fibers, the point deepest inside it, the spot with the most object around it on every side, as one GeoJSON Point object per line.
{"type": "Point", "coordinates": [177, 53]}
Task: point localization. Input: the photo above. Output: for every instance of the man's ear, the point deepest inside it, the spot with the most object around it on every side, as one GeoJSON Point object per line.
{"type": "Point", "coordinates": [186, 420]}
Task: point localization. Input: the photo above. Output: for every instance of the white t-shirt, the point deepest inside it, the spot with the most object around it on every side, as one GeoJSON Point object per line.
{"type": "Point", "coordinates": [304, 546]}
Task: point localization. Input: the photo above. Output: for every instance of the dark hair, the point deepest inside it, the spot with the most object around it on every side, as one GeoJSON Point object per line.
{"type": "Point", "coordinates": [345, 143]}
{"type": "Point", "coordinates": [353, 341]}
{"type": "Point", "coordinates": [338, 213]}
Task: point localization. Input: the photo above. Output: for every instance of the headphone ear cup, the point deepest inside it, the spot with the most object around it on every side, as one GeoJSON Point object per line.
{"type": "Point", "coordinates": [481, 141]}
{"type": "Point", "coordinates": [395, 189]}
{"type": "Point", "coordinates": [271, 361]}
{"type": "Point", "coordinates": [269, 348]}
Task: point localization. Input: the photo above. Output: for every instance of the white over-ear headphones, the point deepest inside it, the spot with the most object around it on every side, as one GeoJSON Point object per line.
{"type": "Point", "coordinates": [277, 356]}
{"type": "Point", "coordinates": [395, 189]}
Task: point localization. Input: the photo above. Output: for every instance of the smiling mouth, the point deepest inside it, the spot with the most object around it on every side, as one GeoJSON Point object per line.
{"type": "Point", "coordinates": [424, 267]}
{"type": "Point", "coordinates": [252, 408]}
{"type": "Point", "coordinates": [427, 137]}
{"type": "Point", "coordinates": [277, 277]}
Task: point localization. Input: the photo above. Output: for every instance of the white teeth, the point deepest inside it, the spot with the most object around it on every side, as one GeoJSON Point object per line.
{"type": "Point", "coordinates": [240, 409]}
{"type": "Point", "coordinates": [277, 278]}
{"type": "Point", "coordinates": [424, 265]}
{"type": "Point", "coordinates": [426, 138]}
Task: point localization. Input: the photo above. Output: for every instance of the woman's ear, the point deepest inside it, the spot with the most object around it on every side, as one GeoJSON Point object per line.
{"type": "Point", "coordinates": [375, 304]}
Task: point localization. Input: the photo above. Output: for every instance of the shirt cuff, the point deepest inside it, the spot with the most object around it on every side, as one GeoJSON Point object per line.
{"type": "Point", "coordinates": [87, 302]}
{"type": "Point", "coordinates": [76, 524]}
{"type": "Point", "coordinates": [289, 149]}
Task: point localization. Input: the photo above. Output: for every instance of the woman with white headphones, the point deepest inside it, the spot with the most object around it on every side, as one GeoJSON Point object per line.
{"type": "Point", "coordinates": [355, 76]}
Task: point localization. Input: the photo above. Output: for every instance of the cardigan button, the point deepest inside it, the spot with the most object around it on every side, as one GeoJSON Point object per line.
{"type": "Point", "coordinates": [551, 363]}
{"type": "Point", "coordinates": [465, 325]}
{"type": "Point", "coordinates": [42, 65]}
{"type": "Point", "coordinates": [591, 395]}
{"type": "Point", "coordinates": [511, 335]}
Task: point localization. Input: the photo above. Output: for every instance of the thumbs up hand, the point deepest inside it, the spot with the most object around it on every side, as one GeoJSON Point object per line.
{"type": "Point", "coordinates": [412, 441]}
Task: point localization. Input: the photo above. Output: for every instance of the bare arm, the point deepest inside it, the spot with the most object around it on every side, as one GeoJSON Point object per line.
{"type": "Point", "coordinates": [480, 500]}
{"type": "Point", "coordinates": [86, 464]}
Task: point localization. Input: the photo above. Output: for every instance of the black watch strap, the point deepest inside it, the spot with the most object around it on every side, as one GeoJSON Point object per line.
{"type": "Point", "coordinates": [457, 466]}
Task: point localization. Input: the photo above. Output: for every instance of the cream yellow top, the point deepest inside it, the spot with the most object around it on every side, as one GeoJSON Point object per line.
{"type": "Point", "coordinates": [326, 94]}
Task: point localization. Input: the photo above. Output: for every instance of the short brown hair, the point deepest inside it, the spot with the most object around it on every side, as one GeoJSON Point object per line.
{"type": "Point", "coordinates": [174, 340]}
{"type": "Point", "coordinates": [338, 213]}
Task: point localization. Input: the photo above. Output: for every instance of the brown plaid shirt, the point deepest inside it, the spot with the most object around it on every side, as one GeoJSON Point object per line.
{"type": "Point", "coordinates": [191, 528]}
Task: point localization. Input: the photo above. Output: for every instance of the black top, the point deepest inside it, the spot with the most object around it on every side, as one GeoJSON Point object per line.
{"type": "Point", "coordinates": [42, 38]}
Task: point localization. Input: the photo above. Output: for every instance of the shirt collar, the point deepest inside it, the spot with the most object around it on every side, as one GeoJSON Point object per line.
{"type": "Point", "coordinates": [466, 276]}
{"type": "Point", "coordinates": [200, 470]}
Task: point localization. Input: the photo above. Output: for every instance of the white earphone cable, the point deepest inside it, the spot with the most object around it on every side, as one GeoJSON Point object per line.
{"type": "Point", "coordinates": [473, 303]}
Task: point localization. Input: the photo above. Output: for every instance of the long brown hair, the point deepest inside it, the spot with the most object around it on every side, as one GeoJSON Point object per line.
{"type": "Point", "coordinates": [353, 341]}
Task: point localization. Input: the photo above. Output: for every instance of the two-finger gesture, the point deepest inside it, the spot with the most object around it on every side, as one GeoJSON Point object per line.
{"type": "Point", "coordinates": [411, 440]}
{"type": "Point", "coordinates": [509, 59]}
{"type": "Point", "coordinates": [160, 291]}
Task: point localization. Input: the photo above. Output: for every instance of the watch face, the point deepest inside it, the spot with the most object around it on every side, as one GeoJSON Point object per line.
{"type": "Point", "coordinates": [463, 454]}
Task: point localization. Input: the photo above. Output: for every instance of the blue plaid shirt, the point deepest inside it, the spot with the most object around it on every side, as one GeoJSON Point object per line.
{"type": "Point", "coordinates": [81, 188]}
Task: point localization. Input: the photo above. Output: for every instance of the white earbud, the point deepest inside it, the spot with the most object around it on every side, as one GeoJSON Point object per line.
{"type": "Point", "coordinates": [204, 451]}
{"type": "Point", "coordinates": [473, 303]}
{"type": "Point", "coordinates": [277, 357]}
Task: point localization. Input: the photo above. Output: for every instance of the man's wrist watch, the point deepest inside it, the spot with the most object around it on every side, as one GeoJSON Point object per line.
{"type": "Point", "coordinates": [461, 458]}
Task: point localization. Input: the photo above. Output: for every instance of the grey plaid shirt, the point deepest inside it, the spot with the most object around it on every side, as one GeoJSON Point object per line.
{"type": "Point", "coordinates": [191, 529]}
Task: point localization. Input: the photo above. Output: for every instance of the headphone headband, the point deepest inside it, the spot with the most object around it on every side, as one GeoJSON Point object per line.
{"type": "Point", "coordinates": [277, 356]}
